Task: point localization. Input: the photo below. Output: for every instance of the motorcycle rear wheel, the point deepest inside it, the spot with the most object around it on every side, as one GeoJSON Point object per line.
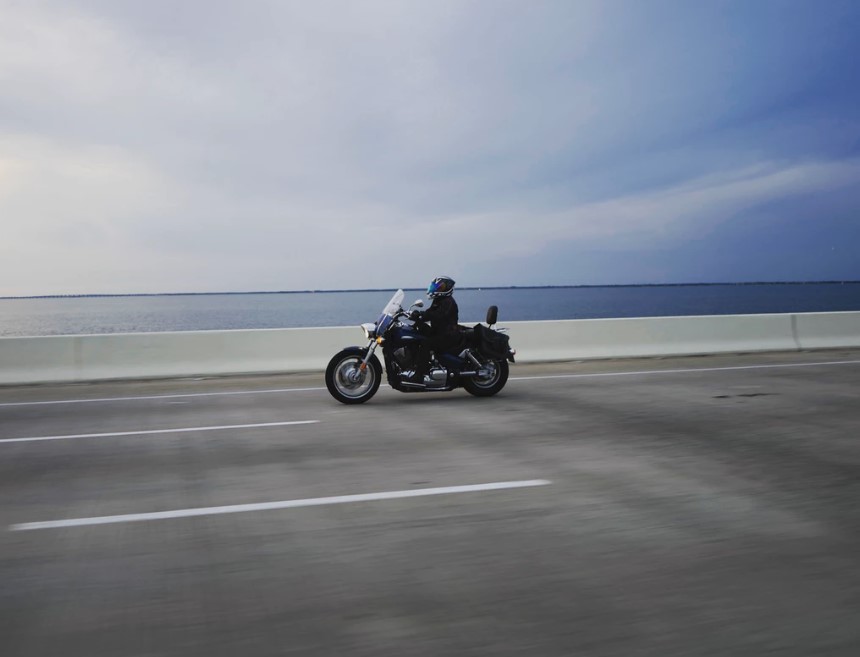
{"type": "Point", "coordinates": [489, 385]}
{"type": "Point", "coordinates": [347, 382]}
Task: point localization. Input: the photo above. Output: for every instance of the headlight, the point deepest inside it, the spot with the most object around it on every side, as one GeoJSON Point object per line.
{"type": "Point", "coordinates": [369, 331]}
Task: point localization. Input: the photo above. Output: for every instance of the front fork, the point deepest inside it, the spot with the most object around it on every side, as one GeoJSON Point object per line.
{"type": "Point", "coordinates": [356, 374]}
{"type": "Point", "coordinates": [370, 349]}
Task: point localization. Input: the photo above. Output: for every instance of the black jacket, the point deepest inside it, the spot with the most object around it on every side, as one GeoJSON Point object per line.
{"type": "Point", "coordinates": [443, 316]}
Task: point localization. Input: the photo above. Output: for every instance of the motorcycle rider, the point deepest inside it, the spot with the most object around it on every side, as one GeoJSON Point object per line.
{"type": "Point", "coordinates": [444, 334]}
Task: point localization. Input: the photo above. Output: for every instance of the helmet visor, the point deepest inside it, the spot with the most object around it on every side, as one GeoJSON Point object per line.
{"type": "Point", "coordinates": [440, 286]}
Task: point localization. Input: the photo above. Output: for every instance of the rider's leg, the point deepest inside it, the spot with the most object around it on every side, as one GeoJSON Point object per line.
{"type": "Point", "coordinates": [422, 360]}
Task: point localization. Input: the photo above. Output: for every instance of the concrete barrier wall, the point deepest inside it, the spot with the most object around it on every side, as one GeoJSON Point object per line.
{"type": "Point", "coordinates": [206, 353]}
{"type": "Point", "coordinates": [827, 330]}
{"type": "Point", "coordinates": [617, 338]}
{"type": "Point", "coordinates": [158, 355]}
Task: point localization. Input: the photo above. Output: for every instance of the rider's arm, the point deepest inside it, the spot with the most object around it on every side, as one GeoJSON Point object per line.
{"type": "Point", "coordinates": [437, 310]}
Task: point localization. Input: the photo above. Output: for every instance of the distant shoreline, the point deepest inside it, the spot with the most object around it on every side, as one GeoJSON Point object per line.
{"type": "Point", "coordinates": [497, 287]}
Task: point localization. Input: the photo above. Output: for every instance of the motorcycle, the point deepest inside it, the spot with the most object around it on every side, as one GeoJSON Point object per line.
{"type": "Point", "coordinates": [479, 363]}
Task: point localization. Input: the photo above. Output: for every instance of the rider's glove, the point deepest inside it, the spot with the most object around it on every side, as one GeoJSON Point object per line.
{"type": "Point", "coordinates": [415, 315]}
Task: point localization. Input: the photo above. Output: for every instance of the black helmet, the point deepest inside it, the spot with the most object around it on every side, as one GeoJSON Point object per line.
{"type": "Point", "coordinates": [442, 286]}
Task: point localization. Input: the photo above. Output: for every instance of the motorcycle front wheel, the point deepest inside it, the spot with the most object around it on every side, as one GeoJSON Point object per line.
{"type": "Point", "coordinates": [347, 382]}
{"type": "Point", "coordinates": [489, 385]}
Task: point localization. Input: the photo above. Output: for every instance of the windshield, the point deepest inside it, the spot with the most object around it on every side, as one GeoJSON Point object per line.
{"type": "Point", "coordinates": [394, 305]}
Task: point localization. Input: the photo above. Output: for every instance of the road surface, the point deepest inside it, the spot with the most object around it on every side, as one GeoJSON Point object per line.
{"type": "Point", "coordinates": [684, 506]}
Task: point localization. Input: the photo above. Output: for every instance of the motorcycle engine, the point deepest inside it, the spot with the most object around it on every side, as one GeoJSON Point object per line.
{"type": "Point", "coordinates": [405, 358]}
{"type": "Point", "coordinates": [438, 374]}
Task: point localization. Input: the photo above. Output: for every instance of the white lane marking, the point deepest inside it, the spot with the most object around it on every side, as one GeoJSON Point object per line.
{"type": "Point", "coordinates": [681, 371]}
{"type": "Point", "coordinates": [513, 378]}
{"type": "Point", "coordinates": [175, 396]}
{"type": "Point", "coordinates": [33, 439]}
{"type": "Point", "coordinates": [284, 504]}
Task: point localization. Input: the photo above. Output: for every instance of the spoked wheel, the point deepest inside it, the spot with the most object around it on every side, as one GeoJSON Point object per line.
{"type": "Point", "coordinates": [347, 382]}
{"type": "Point", "coordinates": [489, 384]}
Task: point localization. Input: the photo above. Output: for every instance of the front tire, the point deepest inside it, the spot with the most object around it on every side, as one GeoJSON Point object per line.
{"type": "Point", "coordinates": [489, 385]}
{"type": "Point", "coordinates": [346, 382]}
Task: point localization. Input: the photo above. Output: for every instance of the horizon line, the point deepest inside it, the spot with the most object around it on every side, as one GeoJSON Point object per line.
{"type": "Point", "coordinates": [386, 289]}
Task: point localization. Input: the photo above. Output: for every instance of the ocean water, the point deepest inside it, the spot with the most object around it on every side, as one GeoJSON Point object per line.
{"type": "Point", "coordinates": [84, 315]}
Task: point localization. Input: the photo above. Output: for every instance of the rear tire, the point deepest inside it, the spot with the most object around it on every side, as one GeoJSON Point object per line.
{"type": "Point", "coordinates": [491, 384]}
{"type": "Point", "coordinates": [346, 382]}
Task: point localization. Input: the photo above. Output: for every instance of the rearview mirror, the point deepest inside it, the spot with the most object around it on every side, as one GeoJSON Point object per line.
{"type": "Point", "coordinates": [417, 303]}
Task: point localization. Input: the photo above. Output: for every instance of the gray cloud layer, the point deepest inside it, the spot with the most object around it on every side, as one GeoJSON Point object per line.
{"type": "Point", "coordinates": [204, 146]}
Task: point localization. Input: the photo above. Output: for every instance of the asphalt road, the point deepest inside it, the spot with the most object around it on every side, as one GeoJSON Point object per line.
{"type": "Point", "coordinates": [696, 506]}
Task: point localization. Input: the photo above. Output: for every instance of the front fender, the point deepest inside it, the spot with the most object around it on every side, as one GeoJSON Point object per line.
{"type": "Point", "coordinates": [360, 352]}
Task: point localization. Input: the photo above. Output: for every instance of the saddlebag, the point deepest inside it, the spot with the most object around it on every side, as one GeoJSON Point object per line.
{"type": "Point", "coordinates": [490, 343]}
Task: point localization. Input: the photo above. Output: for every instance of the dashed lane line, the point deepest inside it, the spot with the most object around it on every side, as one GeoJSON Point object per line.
{"type": "Point", "coordinates": [145, 397]}
{"type": "Point", "coordinates": [583, 375]}
{"type": "Point", "coordinates": [283, 504]}
{"type": "Point", "coordinates": [33, 439]}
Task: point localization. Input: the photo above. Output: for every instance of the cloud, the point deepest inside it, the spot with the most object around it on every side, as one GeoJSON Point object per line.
{"type": "Point", "coordinates": [276, 145]}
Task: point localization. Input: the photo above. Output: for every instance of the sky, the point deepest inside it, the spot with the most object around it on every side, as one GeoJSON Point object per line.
{"type": "Point", "coordinates": [203, 146]}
